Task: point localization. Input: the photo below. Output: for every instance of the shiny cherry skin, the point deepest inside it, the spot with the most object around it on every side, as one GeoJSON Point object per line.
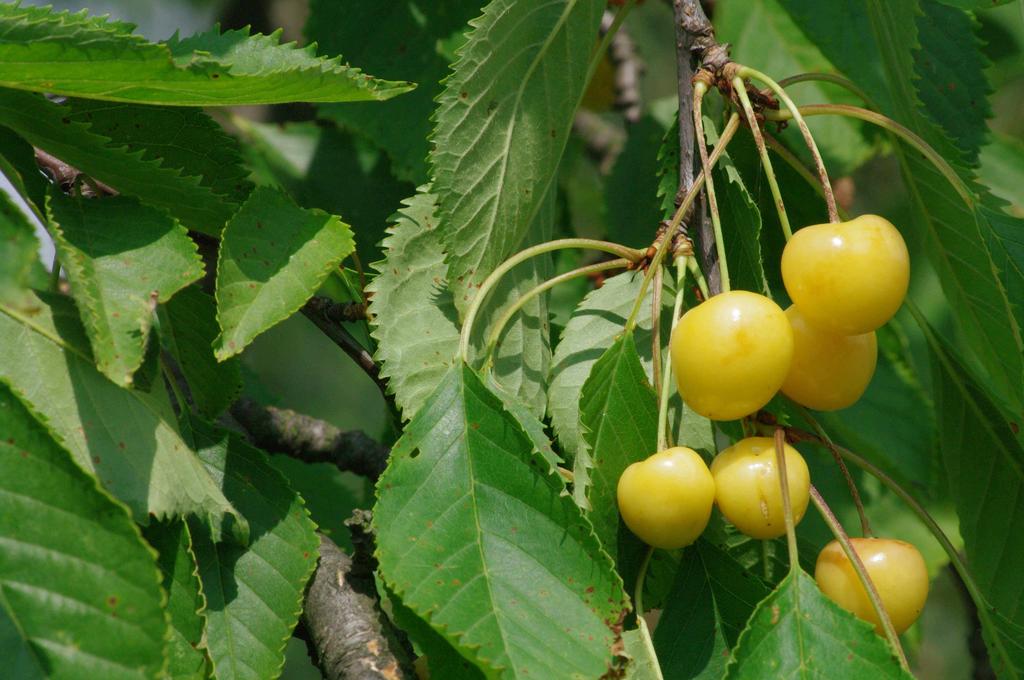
{"type": "Point", "coordinates": [666, 499]}
{"type": "Point", "coordinates": [731, 354]}
{"type": "Point", "coordinates": [895, 567]}
{"type": "Point", "coordinates": [829, 371]}
{"type": "Point", "coordinates": [748, 491]}
{"type": "Point", "coordinates": [847, 278]}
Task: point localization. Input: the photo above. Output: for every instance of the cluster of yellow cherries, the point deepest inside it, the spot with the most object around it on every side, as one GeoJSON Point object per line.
{"type": "Point", "coordinates": [731, 354]}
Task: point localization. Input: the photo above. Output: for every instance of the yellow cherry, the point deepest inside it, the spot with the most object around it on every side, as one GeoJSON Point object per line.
{"type": "Point", "coordinates": [848, 278]}
{"type": "Point", "coordinates": [829, 371]}
{"type": "Point", "coordinates": [666, 499]}
{"type": "Point", "coordinates": [731, 354]}
{"type": "Point", "coordinates": [748, 491]}
{"type": "Point", "coordinates": [895, 567]}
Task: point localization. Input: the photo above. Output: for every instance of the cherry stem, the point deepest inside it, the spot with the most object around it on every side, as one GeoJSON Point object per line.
{"type": "Point", "coordinates": [656, 330]}
{"type": "Point", "coordinates": [819, 162]}
{"type": "Point", "coordinates": [787, 507]}
{"type": "Point", "coordinates": [829, 78]}
{"type": "Point", "coordinates": [862, 573]}
{"type": "Point", "coordinates": [795, 163]}
{"type": "Point", "coordinates": [638, 607]}
{"type": "Point", "coordinates": [631, 254]}
{"type": "Point", "coordinates": [982, 605]}
{"type": "Point", "coordinates": [698, 275]}
{"type": "Point", "coordinates": [865, 525]}
{"type": "Point", "coordinates": [499, 325]}
{"type": "Point", "coordinates": [664, 436]}
{"type": "Point", "coordinates": [699, 88]}
{"type": "Point", "coordinates": [892, 126]}
{"type": "Point", "coordinates": [684, 206]}
{"type": "Point", "coordinates": [740, 87]}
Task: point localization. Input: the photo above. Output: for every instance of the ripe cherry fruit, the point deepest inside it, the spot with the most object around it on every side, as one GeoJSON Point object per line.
{"type": "Point", "coordinates": [666, 500]}
{"type": "Point", "coordinates": [748, 490]}
{"type": "Point", "coordinates": [731, 354]}
{"type": "Point", "coordinates": [829, 371]}
{"type": "Point", "coordinates": [848, 278]}
{"type": "Point", "coordinates": [895, 567]}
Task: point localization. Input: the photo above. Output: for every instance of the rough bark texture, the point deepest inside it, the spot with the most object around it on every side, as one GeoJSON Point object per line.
{"type": "Point", "coordinates": [348, 632]}
{"type": "Point", "coordinates": [314, 441]}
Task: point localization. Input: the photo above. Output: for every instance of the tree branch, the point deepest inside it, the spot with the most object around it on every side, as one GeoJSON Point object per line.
{"type": "Point", "coordinates": [311, 440]}
{"type": "Point", "coordinates": [350, 638]}
{"type": "Point", "coordinates": [325, 314]}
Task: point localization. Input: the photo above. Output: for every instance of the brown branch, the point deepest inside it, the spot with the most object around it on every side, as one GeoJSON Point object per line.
{"type": "Point", "coordinates": [66, 176]}
{"type": "Point", "coordinates": [311, 440]}
{"type": "Point", "coordinates": [628, 68]}
{"type": "Point", "coordinates": [320, 310]}
{"type": "Point", "coordinates": [350, 637]}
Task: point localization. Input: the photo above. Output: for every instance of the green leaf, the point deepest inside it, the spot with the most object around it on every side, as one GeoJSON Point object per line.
{"type": "Point", "coordinates": [501, 125]}
{"type": "Point", "coordinates": [18, 164]}
{"type": "Point", "coordinates": [712, 597]}
{"type": "Point", "coordinates": [763, 35]}
{"type": "Point", "coordinates": [631, 189]}
{"type": "Point", "coordinates": [82, 56]}
{"type": "Point", "coordinates": [975, 4]}
{"type": "Point", "coordinates": [79, 591]}
{"type": "Point", "coordinates": [49, 126]}
{"type": "Point", "coordinates": [19, 248]}
{"type": "Point", "coordinates": [184, 139]}
{"type": "Point", "coordinates": [590, 332]}
{"type": "Point", "coordinates": [185, 600]}
{"type": "Point", "coordinates": [1002, 169]}
{"type": "Point", "coordinates": [323, 167]}
{"type": "Point", "coordinates": [413, 315]}
{"type": "Point", "coordinates": [475, 536]}
{"type": "Point", "coordinates": [253, 594]}
{"type": "Point", "coordinates": [798, 632]}
{"type": "Point", "coordinates": [122, 258]}
{"type": "Point", "coordinates": [619, 415]}
{"type": "Point", "coordinates": [643, 664]}
{"type": "Point", "coordinates": [979, 261]}
{"type": "Point", "coordinates": [273, 257]}
{"type": "Point", "coordinates": [443, 660]}
{"type": "Point", "coordinates": [984, 461]}
{"type": "Point", "coordinates": [188, 327]}
{"type": "Point", "coordinates": [125, 438]}
{"type": "Point", "coordinates": [408, 41]}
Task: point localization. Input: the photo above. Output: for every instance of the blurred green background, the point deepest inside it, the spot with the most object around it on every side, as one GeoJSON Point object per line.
{"type": "Point", "coordinates": [295, 366]}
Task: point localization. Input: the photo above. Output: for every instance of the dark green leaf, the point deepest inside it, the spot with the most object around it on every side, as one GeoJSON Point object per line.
{"type": "Point", "coordinates": [619, 415]}
{"type": "Point", "coordinates": [1002, 169]}
{"type": "Point", "coordinates": [798, 632]}
{"type": "Point", "coordinates": [79, 593]}
{"type": "Point", "coordinates": [83, 56]}
{"type": "Point", "coordinates": [125, 438]}
{"type": "Point", "coordinates": [501, 125]}
{"type": "Point", "coordinates": [253, 594]}
{"type": "Point", "coordinates": [631, 190]}
{"type": "Point", "coordinates": [984, 461]}
{"type": "Point", "coordinates": [273, 257]}
{"type": "Point", "coordinates": [122, 259]}
{"type": "Point", "coordinates": [19, 248]}
{"type": "Point", "coordinates": [18, 164]}
{"type": "Point", "coordinates": [185, 601]}
{"type": "Point", "coordinates": [475, 535]}
{"type": "Point", "coordinates": [407, 42]}
{"type": "Point", "coordinates": [188, 327]}
{"type": "Point", "coordinates": [443, 660]}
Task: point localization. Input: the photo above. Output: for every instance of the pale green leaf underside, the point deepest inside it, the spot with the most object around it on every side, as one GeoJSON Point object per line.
{"type": "Point", "coordinates": [126, 438]}
{"type": "Point", "coordinates": [185, 601]}
{"type": "Point", "coordinates": [273, 257]}
{"type": "Point", "coordinates": [501, 125]}
{"type": "Point", "coordinates": [253, 594]}
{"type": "Point", "coordinates": [984, 462]}
{"type": "Point", "coordinates": [475, 535]}
{"type": "Point", "coordinates": [619, 415]}
{"type": "Point", "coordinates": [51, 127]}
{"type": "Point", "coordinates": [796, 632]}
{"type": "Point", "coordinates": [122, 258]}
{"type": "Point", "coordinates": [413, 315]}
{"type": "Point", "coordinates": [188, 327]}
{"type": "Point", "coordinates": [78, 587]}
{"type": "Point", "coordinates": [82, 56]}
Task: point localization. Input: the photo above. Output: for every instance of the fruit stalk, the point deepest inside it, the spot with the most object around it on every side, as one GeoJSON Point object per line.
{"type": "Point", "coordinates": [699, 88]}
{"type": "Point", "coordinates": [819, 163]}
{"type": "Point", "coordinates": [787, 508]}
{"type": "Point", "coordinates": [862, 573]}
{"type": "Point", "coordinates": [666, 384]}
{"type": "Point", "coordinates": [794, 162]}
{"type": "Point", "coordinates": [740, 87]}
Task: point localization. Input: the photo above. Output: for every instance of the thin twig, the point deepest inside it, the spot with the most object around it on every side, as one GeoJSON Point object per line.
{"type": "Point", "coordinates": [308, 439]}
{"type": "Point", "coordinates": [656, 329]}
{"type": "Point", "coordinates": [316, 310]}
